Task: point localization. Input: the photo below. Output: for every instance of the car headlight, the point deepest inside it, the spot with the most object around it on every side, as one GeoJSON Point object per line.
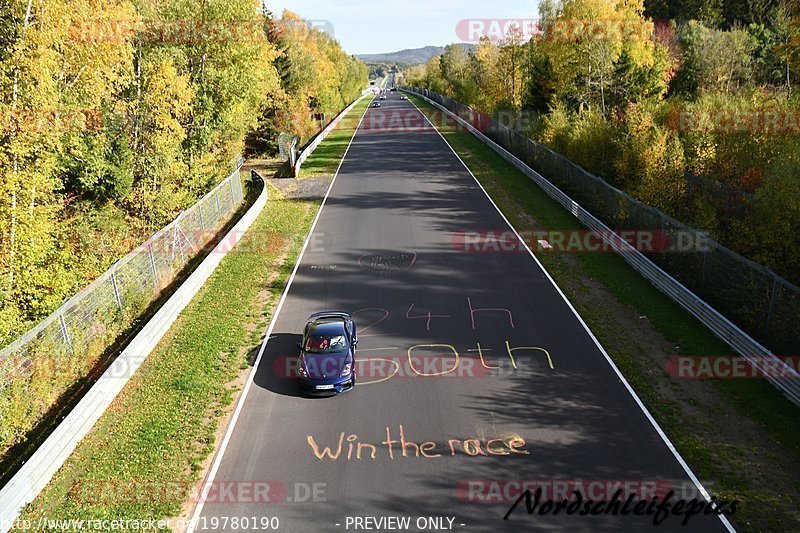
{"type": "Point", "coordinates": [301, 368]}
{"type": "Point", "coordinates": [348, 367]}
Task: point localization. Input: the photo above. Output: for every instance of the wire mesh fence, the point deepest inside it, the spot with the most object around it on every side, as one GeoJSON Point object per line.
{"type": "Point", "coordinates": [64, 347]}
{"type": "Point", "coordinates": [287, 147]}
{"type": "Point", "coordinates": [760, 302]}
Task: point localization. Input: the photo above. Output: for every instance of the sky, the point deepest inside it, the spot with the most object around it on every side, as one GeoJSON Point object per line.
{"type": "Point", "coordinates": [388, 26]}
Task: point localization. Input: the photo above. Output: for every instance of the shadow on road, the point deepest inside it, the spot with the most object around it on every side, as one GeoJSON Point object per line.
{"type": "Point", "coordinates": [274, 372]}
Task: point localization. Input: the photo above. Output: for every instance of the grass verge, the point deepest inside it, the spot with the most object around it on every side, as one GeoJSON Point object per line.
{"type": "Point", "coordinates": [741, 437]}
{"type": "Point", "coordinates": [325, 159]}
{"type": "Point", "coordinates": [41, 400]}
{"type": "Point", "coordinates": [143, 458]}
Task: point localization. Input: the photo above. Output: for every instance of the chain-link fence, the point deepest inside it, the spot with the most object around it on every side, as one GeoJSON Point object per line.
{"type": "Point", "coordinates": [65, 347]}
{"type": "Point", "coordinates": [287, 147]}
{"type": "Point", "coordinates": [311, 146]}
{"type": "Point", "coordinates": [756, 299]}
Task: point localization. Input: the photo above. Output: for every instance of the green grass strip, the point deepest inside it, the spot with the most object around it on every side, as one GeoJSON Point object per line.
{"type": "Point", "coordinates": [143, 456]}
{"type": "Point", "coordinates": [325, 159]}
{"type": "Point", "coordinates": [521, 200]}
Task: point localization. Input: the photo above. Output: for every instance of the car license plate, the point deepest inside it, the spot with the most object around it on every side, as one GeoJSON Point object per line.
{"type": "Point", "coordinates": [324, 387]}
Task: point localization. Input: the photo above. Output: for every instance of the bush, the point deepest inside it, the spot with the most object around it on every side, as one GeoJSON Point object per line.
{"type": "Point", "coordinates": [586, 138]}
{"type": "Point", "coordinates": [651, 160]}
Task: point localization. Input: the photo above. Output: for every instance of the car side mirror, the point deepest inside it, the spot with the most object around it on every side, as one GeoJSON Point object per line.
{"type": "Point", "coordinates": [355, 343]}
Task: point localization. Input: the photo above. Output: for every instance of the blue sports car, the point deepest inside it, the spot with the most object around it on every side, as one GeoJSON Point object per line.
{"type": "Point", "coordinates": [327, 354]}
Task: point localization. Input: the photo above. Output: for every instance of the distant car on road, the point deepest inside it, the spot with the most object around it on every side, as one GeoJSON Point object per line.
{"type": "Point", "coordinates": [376, 104]}
{"type": "Point", "coordinates": [383, 97]}
{"type": "Point", "coordinates": [326, 364]}
{"type": "Point", "coordinates": [393, 89]}
{"type": "Point", "coordinates": [403, 97]}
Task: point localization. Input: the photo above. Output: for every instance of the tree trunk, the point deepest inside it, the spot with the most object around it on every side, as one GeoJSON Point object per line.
{"type": "Point", "coordinates": [138, 111]}
{"type": "Point", "coordinates": [12, 241]}
{"type": "Point", "coordinates": [602, 94]}
{"type": "Point", "coordinates": [14, 100]}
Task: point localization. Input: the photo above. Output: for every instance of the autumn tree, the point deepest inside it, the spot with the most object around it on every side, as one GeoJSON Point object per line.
{"type": "Point", "coordinates": [55, 84]}
{"type": "Point", "coordinates": [118, 114]}
{"type": "Point", "coordinates": [713, 60]}
{"type": "Point", "coordinates": [790, 51]}
{"type": "Point", "coordinates": [316, 75]}
{"type": "Point", "coordinates": [510, 66]}
{"type": "Point", "coordinates": [483, 69]}
{"type": "Point", "coordinates": [454, 66]}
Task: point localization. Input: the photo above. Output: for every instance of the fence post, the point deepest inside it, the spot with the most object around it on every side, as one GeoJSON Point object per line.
{"type": "Point", "coordinates": [771, 300]}
{"type": "Point", "coordinates": [703, 276]}
{"type": "Point", "coordinates": [175, 238]}
{"type": "Point", "coordinates": [219, 208]}
{"type": "Point", "coordinates": [153, 265]}
{"type": "Point", "coordinates": [117, 296]}
{"type": "Point", "coordinates": [65, 332]}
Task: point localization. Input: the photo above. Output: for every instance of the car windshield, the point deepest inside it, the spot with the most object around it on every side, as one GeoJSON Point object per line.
{"type": "Point", "coordinates": [325, 343]}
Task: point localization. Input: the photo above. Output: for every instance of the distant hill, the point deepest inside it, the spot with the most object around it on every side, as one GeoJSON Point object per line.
{"type": "Point", "coordinates": [411, 56]}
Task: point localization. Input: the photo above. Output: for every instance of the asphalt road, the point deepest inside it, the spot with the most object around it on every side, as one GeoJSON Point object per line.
{"type": "Point", "coordinates": [386, 249]}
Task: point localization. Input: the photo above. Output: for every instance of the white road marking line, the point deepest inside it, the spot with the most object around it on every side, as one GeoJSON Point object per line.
{"type": "Point", "coordinates": [229, 432]}
{"type": "Point", "coordinates": [624, 381]}
{"type": "Point", "coordinates": [376, 349]}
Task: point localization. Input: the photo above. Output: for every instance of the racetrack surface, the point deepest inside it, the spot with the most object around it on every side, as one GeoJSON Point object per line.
{"type": "Point", "coordinates": [387, 248]}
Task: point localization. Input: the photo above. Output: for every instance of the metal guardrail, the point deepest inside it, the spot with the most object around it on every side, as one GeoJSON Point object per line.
{"type": "Point", "coordinates": [779, 374]}
{"type": "Point", "coordinates": [37, 472]}
{"type": "Point", "coordinates": [65, 343]}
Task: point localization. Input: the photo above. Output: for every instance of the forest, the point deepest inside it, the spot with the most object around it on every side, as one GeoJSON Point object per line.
{"type": "Point", "coordinates": [115, 115]}
{"type": "Point", "coordinates": [689, 105]}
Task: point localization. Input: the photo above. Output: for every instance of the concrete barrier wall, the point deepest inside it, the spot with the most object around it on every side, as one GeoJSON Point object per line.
{"type": "Point", "coordinates": [324, 133]}
{"type": "Point", "coordinates": [37, 472]}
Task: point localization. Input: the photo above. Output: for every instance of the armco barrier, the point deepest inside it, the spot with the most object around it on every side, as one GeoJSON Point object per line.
{"type": "Point", "coordinates": [36, 473]}
{"type": "Point", "coordinates": [785, 379]}
{"type": "Point", "coordinates": [324, 133]}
